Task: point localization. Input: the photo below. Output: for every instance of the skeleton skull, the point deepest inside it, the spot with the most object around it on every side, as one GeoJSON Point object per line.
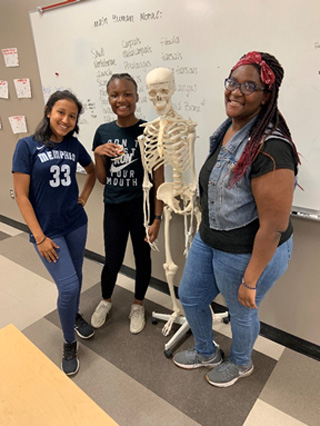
{"type": "Point", "coordinates": [161, 86]}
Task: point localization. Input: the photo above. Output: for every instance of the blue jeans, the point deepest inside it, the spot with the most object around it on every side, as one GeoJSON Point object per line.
{"type": "Point", "coordinates": [67, 274]}
{"type": "Point", "coordinates": [209, 272]}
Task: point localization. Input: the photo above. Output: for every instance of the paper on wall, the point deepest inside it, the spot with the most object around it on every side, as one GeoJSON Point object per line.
{"type": "Point", "coordinates": [4, 90]}
{"type": "Point", "coordinates": [23, 87]}
{"type": "Point", "coordinates": [10, 57]}
{"type": "Point", "coordinates": [18, 124]}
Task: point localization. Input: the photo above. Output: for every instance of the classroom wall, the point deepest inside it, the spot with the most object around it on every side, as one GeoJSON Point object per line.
{"type": "Point", "coordinates": [291, 306]}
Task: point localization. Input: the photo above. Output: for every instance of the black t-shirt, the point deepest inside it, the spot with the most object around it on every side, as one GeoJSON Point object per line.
{"type": "Point", "coordinates": [241, 240]}
{"type": "Point", "coordinates": [124, 173]}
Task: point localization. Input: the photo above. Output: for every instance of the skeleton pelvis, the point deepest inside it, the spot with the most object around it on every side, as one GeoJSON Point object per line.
{"type": "Point", "coordinates": [180, 203]}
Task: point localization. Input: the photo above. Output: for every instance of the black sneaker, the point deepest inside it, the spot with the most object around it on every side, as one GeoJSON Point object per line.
{"type": "Point", "coordinates": [70, 363]}
{"type": "Point", "coordinates": [82, 328]}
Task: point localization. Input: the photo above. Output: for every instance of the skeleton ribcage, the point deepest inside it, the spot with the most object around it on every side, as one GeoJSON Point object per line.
{"type": "Point", "coordinates": [167, 144]}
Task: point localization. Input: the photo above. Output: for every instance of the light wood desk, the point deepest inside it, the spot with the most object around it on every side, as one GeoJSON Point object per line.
{"type": "Point", "coordinates": [35, 392]}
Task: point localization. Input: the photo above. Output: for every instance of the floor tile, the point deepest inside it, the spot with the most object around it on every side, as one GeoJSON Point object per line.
{"type": "Point", "coordinates": [9, 229]}
{"type": "Point", "coordinates": [27, 287]}
{"type": "Point", "coordinates": [152, 294]}
{"type": "Point", "coordinates": [3, 236]}
{"type": "Point", "coordinates": [268, 347]}
{"type": "Point", "coordinates": [263, 345]}
{"type": "Point", "coordinates": [123, 398]}
{"type": "Point", "coordinates": [91, 273]}
{"type": "Point", "coordinates": [14, 312]}
{"type": "Point", "coordinates": [294, 387]}
{"type": "Point", "coordinates": [19, 250]}
{"type": "Point", "coordinates": [263, 414]}
{"type": "Point", "coordinates": [141, 357]}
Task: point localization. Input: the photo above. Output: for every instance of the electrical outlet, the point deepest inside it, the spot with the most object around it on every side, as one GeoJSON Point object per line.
{"type": "Point", "coordinates": [12, 193]}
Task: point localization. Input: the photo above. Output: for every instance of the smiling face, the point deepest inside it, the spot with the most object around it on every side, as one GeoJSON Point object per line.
{"type": "Point", "coordinates": [242, 108]}
{"type": "Point", "coordinates": [63, 119]}
{"type": "Point", "coordinates": [123, 98]}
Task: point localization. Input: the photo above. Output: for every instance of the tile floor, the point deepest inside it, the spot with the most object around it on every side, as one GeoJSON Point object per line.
{"type": "Point", "coordinates": [129, 376]}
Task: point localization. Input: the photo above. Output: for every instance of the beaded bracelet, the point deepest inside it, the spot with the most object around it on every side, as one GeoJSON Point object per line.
{"type": "Point", "coordinates": [246, 285]}
{"type": "Point", "coordinates": [40, 242]}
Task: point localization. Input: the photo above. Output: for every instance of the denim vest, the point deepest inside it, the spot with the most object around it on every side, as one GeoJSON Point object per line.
{"type": "Point", "coordinates": [231, 208]}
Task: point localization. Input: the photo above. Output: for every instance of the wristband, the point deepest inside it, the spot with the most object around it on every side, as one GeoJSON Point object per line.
{"type": "Point", "coordinates": [158, 217]}
{"type": "Point", "coordinates": [246, 285]}
{"type": "Point", "coordinates": [40, 242]}
{"type": "Point", "coordinates": [82, 202]}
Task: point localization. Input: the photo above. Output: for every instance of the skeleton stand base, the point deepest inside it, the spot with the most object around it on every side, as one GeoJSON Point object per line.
{"type": "Point", "coordinates": [183, 330]}
{"type": "Point", "coordinates": [175, 339]}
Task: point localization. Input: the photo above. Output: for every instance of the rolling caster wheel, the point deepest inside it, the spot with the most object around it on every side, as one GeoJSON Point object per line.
{"type": "Point", "coordinates": [226, 320]}
{"type": "Point", "coordinates": [168, 353]}
{"type": "Point", "coordinates": [154, 320]}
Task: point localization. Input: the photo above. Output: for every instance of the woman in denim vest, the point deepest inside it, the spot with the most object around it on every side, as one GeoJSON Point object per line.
{"type": "Point", "coordinates": [244, 241]}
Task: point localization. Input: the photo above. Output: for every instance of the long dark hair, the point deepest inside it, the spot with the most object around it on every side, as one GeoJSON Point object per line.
{"type": "Point", "coordinates": [43, 131]}
{"type": "Point", "coordinates": [268, 119]}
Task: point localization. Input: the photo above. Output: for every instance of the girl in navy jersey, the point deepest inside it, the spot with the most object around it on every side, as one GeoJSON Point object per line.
{"type": "Point", "coordinates": [119, 168]}
{"type": "Point", "coordinates": [44, 175]}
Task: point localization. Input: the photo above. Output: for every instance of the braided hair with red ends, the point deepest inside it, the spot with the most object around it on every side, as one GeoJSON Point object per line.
{"type": "Point", "coordinates": [268, 115]}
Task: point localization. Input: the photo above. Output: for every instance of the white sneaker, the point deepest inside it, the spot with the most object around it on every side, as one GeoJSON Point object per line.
{"type": "Point", "coordinates": [137, 319]}
{"type": "Point", "coordinates": [100, 314]}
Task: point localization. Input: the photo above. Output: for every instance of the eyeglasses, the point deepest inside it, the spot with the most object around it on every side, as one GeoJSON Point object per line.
{"type": "Point", "coordinates": [246, 88]}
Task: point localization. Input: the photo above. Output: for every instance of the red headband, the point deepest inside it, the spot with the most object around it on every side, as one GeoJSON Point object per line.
{"type": "Point", "coordinates": [266, 74]}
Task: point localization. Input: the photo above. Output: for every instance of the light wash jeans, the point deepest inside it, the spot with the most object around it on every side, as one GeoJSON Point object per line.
{"type": "Point", "coordinates": [67, 274]}
{"type": "Point", "coordinates": [209, 272]}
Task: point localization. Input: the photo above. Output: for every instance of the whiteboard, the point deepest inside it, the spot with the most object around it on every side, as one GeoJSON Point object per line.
{"type": "Point", "coordinates": [80, 46]}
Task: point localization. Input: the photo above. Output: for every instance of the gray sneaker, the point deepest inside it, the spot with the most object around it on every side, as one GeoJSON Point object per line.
{"type": "Point", "coordinates": [190, 359]}
{"type": "Point", "coordinates": [100, 314]}
{"type": "Point", "coordinates": [228, 373]}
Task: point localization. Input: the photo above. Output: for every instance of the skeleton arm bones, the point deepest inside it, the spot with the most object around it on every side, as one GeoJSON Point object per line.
{"type": "Point", "coordinates": [152, 164]}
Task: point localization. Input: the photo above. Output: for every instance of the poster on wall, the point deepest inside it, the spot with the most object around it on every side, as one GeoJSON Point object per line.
{"type": "Point", "coordinates": [4, 90]}
{"type": "Point", "coordinates": [18, 124]}
{"type": "Point", "coordinates": [23, 88]}
{"type": "Point", "coordinates": [10, 57]}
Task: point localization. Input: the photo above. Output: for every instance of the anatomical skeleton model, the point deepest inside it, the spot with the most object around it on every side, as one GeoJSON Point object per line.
{"type": "Point", "coordinates": [169, 141]}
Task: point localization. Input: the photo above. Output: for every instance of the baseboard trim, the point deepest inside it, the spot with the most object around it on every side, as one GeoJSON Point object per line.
{"type": "Point", "coordinates": [283, 338]}
{"type": "Point", "coordinates": [14, 223]}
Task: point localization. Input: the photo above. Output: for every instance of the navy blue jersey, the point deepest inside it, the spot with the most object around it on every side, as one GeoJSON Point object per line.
{"type": "Point", "coordinates": [124, 173]}
{"type": "Point", "coordinates": [53, 189]}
